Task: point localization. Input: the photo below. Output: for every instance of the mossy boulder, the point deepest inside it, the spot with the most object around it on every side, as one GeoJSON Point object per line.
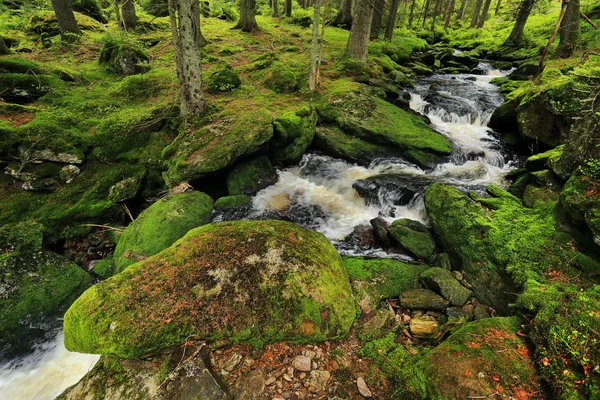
{"type": "Point", "coordinates": [384, 129]}
{"type": "Point", "coordinates": [543, 160]}
{"type": "Point", "coordinates": [22, 81]}
{"type": "Point", "coordinates": [255, 282]}
{"type": "Point", "coordinates": [423, 299]}
{"type": "Point", "coordinates": [224, 79]}
{"type": "Point", "coordinates": [45, 22]}
{"type": "Point", "coordinates": [91, 8]}
{"type": "Point", "coordinates": [376, 279]}
{"type": "Point", "coordinates": [228, 202]}
{"type": "Point", "coordinates": [442, 282]}
{"type": "Point", "coordinates": [580, 199]}
{"type": "Point", "coordinates": [160, 225]}
{"type": "Point", "coordinates": [413, 236]}
{"type": "Point", "coordinates": [469, 364]}
{"type": "Point", "coordinates": [293, 133]}
{"type": "Point", "coordinates": [35, 288]}
{"type": "Point", "coordinates": [21, 237]}
{"type": "Point", "coordinates": [124, 58]}
{"type": "Point", "coordinates": [281, 78]}
{"type": "Point", "coordinates": [251, 176]}
{"type": "Point", "coordinates": [218, 145]}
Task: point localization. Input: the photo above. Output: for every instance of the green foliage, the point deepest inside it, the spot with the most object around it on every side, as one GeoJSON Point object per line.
{"type": "Point", "coordinates": [281, 78]}
{"type": "Point", "coordinates": [90, 8]}
{"type": "Point", "coordinates": [225, 10]}
{"type": "Point", "coordinates": [592, 169]}
{"type": "Point", "coordinates": [223, 79]}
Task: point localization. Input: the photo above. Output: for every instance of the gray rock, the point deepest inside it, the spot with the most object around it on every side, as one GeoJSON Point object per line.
{"type": "Point", "coordinates": [424, 328]}
{"type": "Point", "coordinates": [413, 236]}
{"type": "Point", "coordinates": [442, 282]}
{"type": "Point", "coordinates": [302, 363]}
{"type": "Point", "coordinates": [251, 386]}
{"type": "Point", "coordinates": [423, 299]}
{"type": "Point", "coordinates": [480, 312]}
{"type": "Point", "coordinates": [319, 379]}
{"type": "Point", "coordinates": [363, 389]}
{"type": "Point", "coordinates": [458, 313]}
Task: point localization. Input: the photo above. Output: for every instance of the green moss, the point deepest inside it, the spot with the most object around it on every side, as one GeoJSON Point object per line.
{"type": "Point", "coordinates": [249, 281]}
{"type": "Point", "coordinates": [45, 21]}
{"type": "Point", "coordinates": [251, 176]}
{"type": "Point", "coordinates": [105, 268]}
{"type": "Point", "coordinates": [21, 237]}
{"type": "Point", "coordinates": [19, 66]}
{"type": "Point", "coordinates": [91, 8]}
{"type": "Point", "coordinates": [224, 79]}
{"type": "Point", "coordinates": [293, 133]}
{"type": "Point", "coordinates": [228, 202]}
{"type": "Point", "coordinates": [281, 78]}
{"type": "Point", "coordinates": [413, 236]}
{"type": "Point", "coordinates": [123, 57]}
{"type": "Point", "coordinates": [390, 357]}
{"type": "Point", "coordinates": [160, 225]}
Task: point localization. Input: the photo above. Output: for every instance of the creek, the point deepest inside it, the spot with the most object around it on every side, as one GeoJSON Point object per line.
{"type": "Point", "coordinates": [322, 193]}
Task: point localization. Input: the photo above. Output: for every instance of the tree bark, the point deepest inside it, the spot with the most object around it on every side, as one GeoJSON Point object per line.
{"type": "Point", "coordinates": [377, 18]}
{"type": "Point", "coordinates": [463, 7]}
{"type": "Point", "coordinates": [358, 42]}
{"type": "Point", "coordinates": [514, 39]}
{"type": "Point", "coordinates": [569, 30]}
{"type": "Point", "coordinates": [128, 14]}
{"type": "Point", "coordinates": [314, 47]}
{"type": "Point", "coordinates": [410, 16]}
{"type": "Point", "coordinates": [69, 30]}
{"type": "Point", "coordinates": [436, 11]}
{"type": "Point", "coordinates": [343, 19]}
{"type": "Point", "coordinates": [425, 11]}
{"type": "Point", "coordinates": [247, 22]}
{"type": "Point", "coordinates": [275, 8]}
{"type": "Point", "coordinates": [542, 63]}
{"type": "Point", "coordinates": [484, 13]}
{"type": "Point", "coordinates": [498, 4]}
{"type": "Point", "coordinates": [287, 8]}
{"type": "Point", "coordinates": [184, 16]}
{"type": "Point", "coordinates": [391, 22]}
{"type": "Point", "coordinates": [117, 6]}
{"type": "Point", "coordinates": [476, 12]}
{"type": "Point", "coordinates": [449, 12]}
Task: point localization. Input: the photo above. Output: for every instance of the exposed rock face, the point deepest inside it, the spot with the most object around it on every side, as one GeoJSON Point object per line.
{"type": "Point", "coordinates": [124, 59]}
{"type": "Point", "coordinates": [423, 299]}
{"type": "Point", "coordinates": [294, 132]}
{"type": "Point", "coordinates": [371, 127]}
{"type": "Point", "coordinates": [251, 176]}
{"type": "Point", "coordinates": [160, 225]}
{"type": "Point", "coordinates": [442, 282]}
{"type": "Point", "coordinates": [469, 363]}
{"type": "Point", "coordinates": [249, 281]}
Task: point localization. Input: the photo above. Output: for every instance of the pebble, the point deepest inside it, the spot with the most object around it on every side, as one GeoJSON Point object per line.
{"type": "Point", "coordinates": [309, 353]}
{"type": "Point", "coordinates": [270, 381]}
{"type": "Point", "coordinates": [457, 275]}
{"type": "Point", "coordinates": [302, 375]}
{"type": "Point", "coordinates": [319, 379]}
{"type": "Point", "coordinates": [302, 363]}
{"type": "Point", "coordinates": [287, 378]}
{"type": "Point", "coordinates": [314, 365]}
{"type": "Point", "coordinates": [363, 389]}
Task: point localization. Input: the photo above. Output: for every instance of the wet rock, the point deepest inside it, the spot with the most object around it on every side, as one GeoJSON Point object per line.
{"type": "Point", "coordinates": [423, 328]}
{"type": "Point", "coordinates": [68, 173]}
{"type": "Point", "coordinates": [413, 236]}
{"type": "Point", "coordinates": [442, 282]}
{"type": "Point", "coordinates": [541, 161]}
{"type": "Point", "coordinates": [251, 176]}
{"type": "Point", "coordinates": [362, 238]}
{"type": "Point", "coordinates": [525, 72]}
{"type": "Point", "coordinates": [210, 276]}
{"type": "Point", "coordinates": [293, 133]}
{"type": "Point", "coordinates": [380, 230]}
{"type": "Point", "coordinates": [423, 299]}
{"type": "Point", "coordinates": [458, 313]}
{"type": "Point", "coordinates": [229, 202]}
{"type": "Point", "coordinates": [459, 60]}
{"type": "Point", "coordinates": [302, 363]}
{"type": "Point", "coordinates": [386, 189]}
{"type": "Point", "coordinates": [504, 118]}
{"type": "Point", "coordinates": [363, 389]}
{"type": "Point", "coordinates": [160, 225]}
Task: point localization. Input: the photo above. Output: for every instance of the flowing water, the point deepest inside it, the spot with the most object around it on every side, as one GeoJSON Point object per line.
{"type": "Point", "coordinates": [322, 193]}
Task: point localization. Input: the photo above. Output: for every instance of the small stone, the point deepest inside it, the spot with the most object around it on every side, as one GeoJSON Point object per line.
{"type": "Point", "coordinates": [314, 365]}
{"type": "Point", "coordinates": [480, 312]}
{"type": "Point", "coordinates": [319, 379]}
{"type": "Point", "coordinates": [309, 353]}
{"type": "Point", "coordinates": [302, 375]}
{"type": "Point", "coordinates": [444, 283]}
{"type": "Point", "coordinates": [423, 328]}
{"type": "Point", "coordinates": [270, 381]}
{"type": "Point", "coordinates": [287, 378]}
{"type": "Point", "coordinates": [457, 275]}
{"type": "Point", "coordinates": [302, 363]}
{"type": "Point", "coordinates": [363, 389]}
{"type": "Point", "coordinates": [232, 362]}
{"type": "Point", "coordinates": [423, 299]}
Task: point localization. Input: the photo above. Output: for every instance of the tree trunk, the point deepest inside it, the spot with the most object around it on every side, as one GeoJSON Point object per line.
{"type": "Point", "coordinates": [287, 8]}
{"type": "Point", "coordinates": [425, 11]}
{"type": "Point", "coordinates": [449, 12]}
{"type": "Point", "coordinates": [184, 16]}
{"type": "Point", "coordinates": [436, 11]}
{"type": "Point", "coordinates": [514, 39]}
{"type": "Point", "coordinates": [498, 4]}
{"type": "Point", "coordinates": [410, 16]}
{"type": "Point", "coordinates": [377, 18]}
{"type": "Point", "coordinates": [3, 47]}
{"type": "Point", "coordinates": [358, 42]}
{"type": "Point", "coordinates": [484, 13]}
{"type": "Point", "coordinates": [247, 22]}
{"type": "Point", "coordinates": [314, 47]}
{"type": "Point", "coordinates": [542, 63]}
{"type": "Point", "coordinates": [476, 12]}
{"type": "Point", "coordinates": [275, 9]}
{"type": "Point", "coordinates": [128, 15]}
{"type": "Point", "coordinates": [69, 30]}
{"type": "Point", "coordinates": [569, 30]}
{"type": "Point", "coordinates": [343, 19]}
{"type": "Point", "coordinates": [117, 7]}
{"type": "Point", "coordinates": [463, 7]}
{"type": "Point", "coordinates": [391, 22]}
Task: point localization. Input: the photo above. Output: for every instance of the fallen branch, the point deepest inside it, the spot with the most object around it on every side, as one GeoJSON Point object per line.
{"type": "Point", "coordinates": [179, 367]}
{"type": "Point", "coordinates": [104, 227]}
{"type": "Point", "coordinates": [588, 20]}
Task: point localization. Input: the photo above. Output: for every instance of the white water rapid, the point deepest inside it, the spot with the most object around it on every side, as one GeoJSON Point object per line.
{"type": "Point", "coordinates": [319, 192]}
{"type": "Point", "coordinates": [45, 373]}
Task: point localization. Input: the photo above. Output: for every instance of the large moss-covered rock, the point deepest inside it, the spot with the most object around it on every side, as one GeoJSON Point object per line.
{"type": "Point", "coordinates": [124, 58]}
{"type": "Point", "coordinates": [251, 176]}
{"type": "Point", "coordinates": [248, 281]}
{"type": "Point", "coordinates": [22, 81]}
{"type": "Point", "coordinates": [469, 364]}
{"type": "Point", "coordinates": [499, 245]}
{"type": "Point", "coordinates": [45, 22]}
{"type": "Point", "coordinates": [281, 78]}
{"type": "Point", "coordinates": [413, 236]}
{"type": "Point", "coordinates": [218, 145]}
{"type": "Point", "coordinates": [35, 287]}
{"type": "Point", "coordinates": [580, 199]}
{"type": "Point", "coordinates": [160, 225]}
{"type": "Point", "coordinates": [294, 132]}
{"type": "Point", "coordinates": [442, 282]}
{"type": "Point", "coordinates": [376, 279]}
{"type": "Point", "coordinates": [386, 128]}
{"type": "Point", "coordinates": [223, 79]}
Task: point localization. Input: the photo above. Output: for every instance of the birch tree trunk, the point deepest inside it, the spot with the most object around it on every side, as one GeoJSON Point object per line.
{"type": "Point", "coordinates": [69, 30]}
{"type": "Point", "coordinates": [247, 22]}
{"type": "Point", "coordinates": [358, 42]}
{"type": "Point", "coordinates": [314, 47]}
{"type": "Point", "coordinates": [184, 16]}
